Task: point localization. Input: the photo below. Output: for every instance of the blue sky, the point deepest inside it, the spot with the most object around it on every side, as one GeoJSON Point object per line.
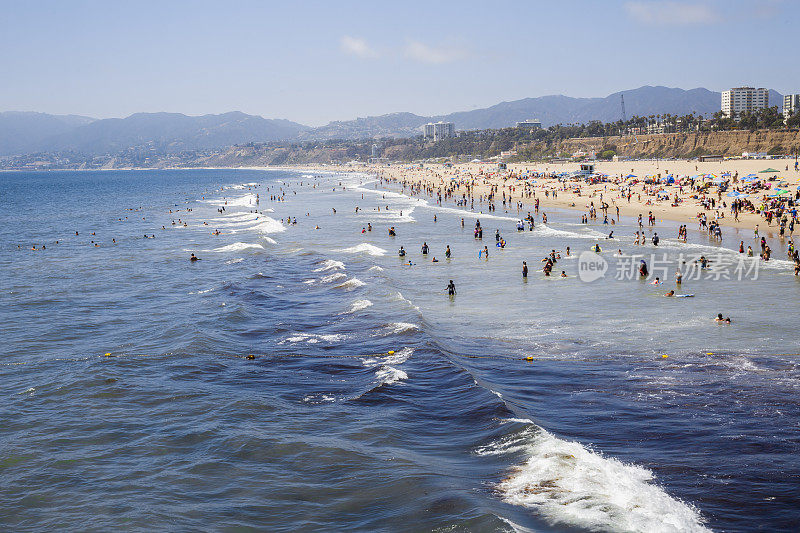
{"type": "Point", "coordinates": [317, 61]}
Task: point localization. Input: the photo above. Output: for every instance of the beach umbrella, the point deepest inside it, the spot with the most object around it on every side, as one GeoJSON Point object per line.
{"type": "Point", "coordinates": [750, 178]}
{"type": "Point", "coordinates": [718, 180]}
{"type": "Point", "coordinates": [631, 176]}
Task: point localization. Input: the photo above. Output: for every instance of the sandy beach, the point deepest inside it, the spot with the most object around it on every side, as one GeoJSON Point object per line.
{"type": "Point", "coordinates": [580, 195]}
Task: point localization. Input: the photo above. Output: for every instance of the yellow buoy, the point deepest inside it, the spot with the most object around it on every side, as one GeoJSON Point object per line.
{"type": "Point", "coordinates": [390, 352]}
{"type": "Point", "coordinates": [709, 353]}
{"type": "Point", "coordinates": [108, 354]}
{"type": "Point", "coordinates": [664, 356]}
{"type": "Point", "coordinates": [251, 356]}
{"type": "Point", "coordinates": [529, 358]}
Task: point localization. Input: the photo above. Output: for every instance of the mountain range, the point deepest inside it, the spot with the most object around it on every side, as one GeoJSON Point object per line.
{"type": "Point", "coordinates": [29, 132]}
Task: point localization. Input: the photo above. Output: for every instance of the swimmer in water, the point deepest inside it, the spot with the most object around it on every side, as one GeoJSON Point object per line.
{"type": "Point", "coordinates": [524, 269]}
{"type": "Point", "coordinates": [194, 258]}
{"type": "Point", "coordinates": [563, 274]}
{"type": "Point", "coordinates": [447, 252]}
{"type": "Point", "coordinates": [451, 288]}
{"type": "Point", "coordinates": [670, 293]}
{"type": "Point", "coordinates": [401, 252]}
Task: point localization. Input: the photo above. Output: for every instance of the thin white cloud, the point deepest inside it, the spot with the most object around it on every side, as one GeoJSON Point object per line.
{"type": "Point", "coordinates": [678, 13]}
{"type": "Point", "coordinates": [357, 47]}
{"type": "Point", "coordinates": [429, 54]}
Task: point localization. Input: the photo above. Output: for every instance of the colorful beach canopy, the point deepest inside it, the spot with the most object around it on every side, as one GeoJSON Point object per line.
{"type": "Point", "coordinates": [737, 194]}
{"type": "Point", "coordinates": [768, 170]}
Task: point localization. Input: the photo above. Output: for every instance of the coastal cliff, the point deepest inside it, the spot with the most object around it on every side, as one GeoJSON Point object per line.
{"type": "Point", "coordinates": [687, 145]}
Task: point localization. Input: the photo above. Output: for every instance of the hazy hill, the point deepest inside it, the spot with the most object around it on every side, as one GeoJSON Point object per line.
{"type": "Point", "coordinates": [174, 132]}
{"type": "Point", "coordinates": [550, 110]}
{"type": "Point", "coordinates": [391, 125]}
{"type": "Point", "coordinates": [20, 131]}
{"type": "Point", "coordinates": [171, 132]}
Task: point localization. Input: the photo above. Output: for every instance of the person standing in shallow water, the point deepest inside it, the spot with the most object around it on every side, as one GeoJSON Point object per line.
{"type": "Point", "coordinates": [524, 270]}
{"type": "Point", "coordinates": [451, 288]}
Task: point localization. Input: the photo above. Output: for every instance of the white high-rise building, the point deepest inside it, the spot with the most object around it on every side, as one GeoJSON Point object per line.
{"type": "Point", "coordinates": [439, 130]}
{"type": "Point", "coordinates": [740, 99]}
{"type": "Point", "coordinates": [791, 103]}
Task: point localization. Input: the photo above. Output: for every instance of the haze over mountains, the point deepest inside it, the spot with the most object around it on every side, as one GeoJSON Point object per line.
{"type": "Point", "coordinates": [28, 132]}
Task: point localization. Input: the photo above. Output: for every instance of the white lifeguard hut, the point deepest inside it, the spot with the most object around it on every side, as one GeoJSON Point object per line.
{"type": "Point", "coordinates": [587, 169]}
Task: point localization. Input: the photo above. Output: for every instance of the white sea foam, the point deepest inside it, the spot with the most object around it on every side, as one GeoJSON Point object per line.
{"type": "Point", "coordinates": [364, 248]}
{"type": "Point", "coordinates": [235, 218]}
{"type": "Point", "coordinates": [375, 268]}
{"type": "Point", "coordinates": [319, 398]}
{"type": "Point", "coordinates": [546, 231]}
{"type": "Point", "coordinates": [269, 225]}
{"type": "Point", "coordinates": [359, 305]}
{"type": "Point", "coordinates": [248, 200]}
{"type": "Point", "coordinates": [572, 486]}
{"type": "Point", "coordinates": [203, 291]}
{"type": "Point", "coordinates": [238, 247]}
{"type": "Point", "coordinates": [400, 327]}
{"type": "Point", "coordinates": [387, 371]}
{"type": "Point", "coordinates": [388, 374]}
{"type": "Point", "coordinates": [351, 284]}
{"type": "Point", "coordinates": [333, 277]}
{"type": "Point", "coordinates": [311, 338]}
{"type": "Point", "coordinates": [329, 264]}
{"type": "Point", "coordinates": [234, 261]}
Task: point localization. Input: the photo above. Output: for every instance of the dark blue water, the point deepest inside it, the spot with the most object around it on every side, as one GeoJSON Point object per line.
{"type": "Point", "coordinates": [304, 379]}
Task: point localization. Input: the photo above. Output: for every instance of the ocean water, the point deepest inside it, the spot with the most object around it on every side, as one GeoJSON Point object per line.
{"type": "Point", "coordinates": [372, 400]}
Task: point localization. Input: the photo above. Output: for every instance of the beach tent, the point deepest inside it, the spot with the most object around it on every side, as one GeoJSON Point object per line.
{"type": "Point", "coordinates": [750, 178]}
{"type": "Point", "coordinates": [718, 180]}
{"type": "Point", "coordinates": [768, 171]}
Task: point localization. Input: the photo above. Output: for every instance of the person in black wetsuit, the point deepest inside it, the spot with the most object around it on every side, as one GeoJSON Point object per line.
{"type": "Point", "coordinates": [451, 288]}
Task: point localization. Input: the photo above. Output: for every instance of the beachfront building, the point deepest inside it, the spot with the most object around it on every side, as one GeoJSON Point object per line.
{"type": "Point", "coordinates": [791, 104]}
{"type": "Point", "coordinates": [439, 130]}
{"type": "Point", "coordinates": [744, 99]}
{"type": "Point", "coordinates": [660, 127]}
{"type": "Point", "coordinates": [530, 125]}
